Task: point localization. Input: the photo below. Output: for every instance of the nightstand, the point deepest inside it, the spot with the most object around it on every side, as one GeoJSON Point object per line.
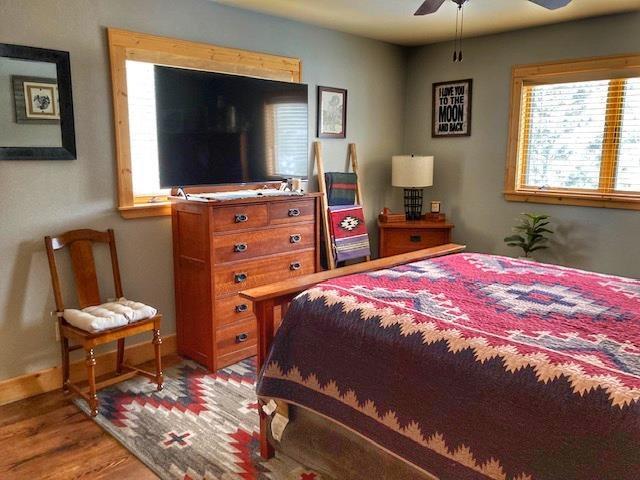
{"type": "Point", "coordinates": [407, 236]}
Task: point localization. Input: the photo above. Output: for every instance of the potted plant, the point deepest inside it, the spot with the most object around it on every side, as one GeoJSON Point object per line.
{"type": "Point", "coordinates": [530, 233]}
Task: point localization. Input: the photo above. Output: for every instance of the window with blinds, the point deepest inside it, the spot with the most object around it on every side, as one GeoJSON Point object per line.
{"type": "Point", "coordinates": [290, 142]}
{"type": "Point", "coordinates": [143, 137]}
{"type": "Point", "coordinates": [576, 139]}
{"type": "Point", "coordinates": [286, 143]}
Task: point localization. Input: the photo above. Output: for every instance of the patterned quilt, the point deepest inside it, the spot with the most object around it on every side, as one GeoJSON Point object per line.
{"type": "Point", "coordinates": [473, 366]}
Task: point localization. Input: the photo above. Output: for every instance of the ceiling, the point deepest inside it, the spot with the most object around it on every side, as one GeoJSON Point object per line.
{"type": "Point", "coordinates": [393, 20]}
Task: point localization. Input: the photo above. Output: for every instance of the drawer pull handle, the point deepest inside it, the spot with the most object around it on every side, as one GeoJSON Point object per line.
{"type": "Point", "coordinates": [240, 277]}
{"type": "Point", "coordinates": [295, 266]}
{"type": "Point", "coordinates": [240, 247]}
{"type": "Point", "coordinates": [243, 307]}
{"type": "Point", "coordinates": [243, 337]}
{"type": "Point", "coordinates": [415, 238]}
{"type": "Point", "coordinates": [295, 238]}
{"type": "Point", "coordinates": [241, 217]}
{"type": "Point", "coordinates": [294, 212]}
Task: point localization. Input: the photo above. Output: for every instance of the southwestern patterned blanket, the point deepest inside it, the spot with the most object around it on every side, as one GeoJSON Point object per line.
{"type": "Point", "coordinates": [473, 366]}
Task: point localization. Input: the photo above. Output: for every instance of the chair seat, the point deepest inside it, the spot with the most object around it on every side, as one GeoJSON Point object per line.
{"type": "Point", "coordinates": [109, 315]}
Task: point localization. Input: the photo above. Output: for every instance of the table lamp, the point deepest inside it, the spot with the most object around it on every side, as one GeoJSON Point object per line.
{"type": "Point", "coordinates": [413, 173]}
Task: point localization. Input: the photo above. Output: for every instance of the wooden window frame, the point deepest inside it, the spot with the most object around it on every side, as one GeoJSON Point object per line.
{"type": "Point", "coordinates": [125, 45]}
{"type": "Point", "coordinates": [615, 68]}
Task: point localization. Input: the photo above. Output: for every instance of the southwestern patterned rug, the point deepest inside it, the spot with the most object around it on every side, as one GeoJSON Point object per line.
{"type": "Point", "coordinates": [202, 426]}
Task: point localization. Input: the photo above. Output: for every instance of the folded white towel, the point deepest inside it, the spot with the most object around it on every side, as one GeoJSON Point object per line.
{"type": "Point", "coordinates": [108, 315]}
{"type": "Point", "coordinates": [100, 319]}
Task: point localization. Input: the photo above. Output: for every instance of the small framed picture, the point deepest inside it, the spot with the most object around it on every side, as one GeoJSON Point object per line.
{"type": "Point", "coordinates": [451, 116]}
{"type": "Point", "coordinates": [36, 100]}
{"type": "Point", "coordinates": [332, 112]}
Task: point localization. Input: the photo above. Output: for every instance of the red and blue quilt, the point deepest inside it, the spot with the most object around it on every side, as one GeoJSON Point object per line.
{"type": "Point", "coordinates": [473, 366]}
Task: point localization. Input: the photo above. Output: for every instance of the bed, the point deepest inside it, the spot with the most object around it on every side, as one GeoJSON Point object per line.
{"type": "Point", "coordinates": [466, 366]}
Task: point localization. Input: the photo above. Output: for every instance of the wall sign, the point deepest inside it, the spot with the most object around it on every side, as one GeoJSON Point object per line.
{"type": "Point", "coordinates": [452, 109]}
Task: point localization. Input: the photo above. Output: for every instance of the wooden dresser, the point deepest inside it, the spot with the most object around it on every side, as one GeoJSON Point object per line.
{"type": "Point", "coordinates": [223, 247]}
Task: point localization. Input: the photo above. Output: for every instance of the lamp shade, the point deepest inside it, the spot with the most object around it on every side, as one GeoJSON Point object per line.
{"type": "Point", "coordinates": [411, 171]}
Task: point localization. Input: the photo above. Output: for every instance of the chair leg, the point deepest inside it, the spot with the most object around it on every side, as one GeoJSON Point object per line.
{"type": "Point", "coordinates": [120, 356]}
{"type": "Point", "coordinates": [64, 346]}
{"type": "Point", "coordinates": [91, 377]}
{"type": "Point", "coordinates": [157, 341]}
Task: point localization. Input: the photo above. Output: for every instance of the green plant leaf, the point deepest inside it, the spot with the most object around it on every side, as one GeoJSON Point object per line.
{"type": "Point", "coordinates": [514, 238]}
{"type": "Point", "coordinates": [530, 233]}
{"type": "Point", "coordinates": [538, 247]}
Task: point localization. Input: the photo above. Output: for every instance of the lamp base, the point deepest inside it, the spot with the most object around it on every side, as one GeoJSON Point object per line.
{"type": "Point", "coordinates": [413, 203]}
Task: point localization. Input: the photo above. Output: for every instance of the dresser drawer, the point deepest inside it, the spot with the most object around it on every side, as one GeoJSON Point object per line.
{"type": "Point", "coordinates": [287, 212]}
{"type": "Point", "coordinates": [240, 217]}
{"type": "Point", "coordinates": [252, 273]}
{"type": "Point", "coordinates": [231, 309]}
{"type": "Point", "coordinates": [237, 336]}
{"type": "Point", "coordinates": [235, 356]}
{"type": "Point", "coordinates": [246, 245]}
{"type": "Point", "coordinates": [407, 240]}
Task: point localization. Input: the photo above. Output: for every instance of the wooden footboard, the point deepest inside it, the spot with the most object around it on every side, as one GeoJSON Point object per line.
{"type": "Point", "coordinates": [280, 294]}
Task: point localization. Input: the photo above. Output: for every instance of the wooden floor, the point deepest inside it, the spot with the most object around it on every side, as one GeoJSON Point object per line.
{"type": "Point", "coordinates": [48, 437]}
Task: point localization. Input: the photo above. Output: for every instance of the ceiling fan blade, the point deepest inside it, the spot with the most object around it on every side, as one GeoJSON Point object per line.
{"type": "Point", "coordinates": [551, 4]}
{"type": "Point", "coordinates": [429, 6]}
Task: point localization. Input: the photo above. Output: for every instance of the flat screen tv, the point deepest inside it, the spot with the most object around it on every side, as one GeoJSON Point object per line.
{"type": "Point", "coordinates": [216, 128]}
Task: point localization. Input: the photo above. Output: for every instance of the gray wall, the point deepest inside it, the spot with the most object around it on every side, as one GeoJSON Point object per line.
{"type": "Point", "coordinates": [39, 198]}
{"type": "Point", "coordinates": [469, 172]}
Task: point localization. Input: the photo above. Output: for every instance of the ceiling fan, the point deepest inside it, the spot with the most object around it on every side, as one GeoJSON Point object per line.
{"type": "Point", "coordinates": [430, 6]}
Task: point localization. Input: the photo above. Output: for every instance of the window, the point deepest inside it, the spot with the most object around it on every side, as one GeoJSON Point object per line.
{"type": "Point", "coordinates": [575, 134]}
{"type": "Point", "coordinates": [143, 130]}
{"type": "Point", "coordinates": [133, 57]}
{"type": "Point", "coordinates": [286, 142]}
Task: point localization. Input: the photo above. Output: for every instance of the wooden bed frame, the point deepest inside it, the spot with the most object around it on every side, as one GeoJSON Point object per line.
{"type": "Point", "coordinates": [268, 298]}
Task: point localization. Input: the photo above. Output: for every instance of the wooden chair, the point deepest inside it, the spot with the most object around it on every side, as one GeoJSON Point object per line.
{"type": "Point", "coordinates": [80, 243]}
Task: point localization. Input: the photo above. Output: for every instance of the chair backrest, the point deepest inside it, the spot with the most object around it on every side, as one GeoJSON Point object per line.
{"type": "Point", "coordinates": [80, 243]}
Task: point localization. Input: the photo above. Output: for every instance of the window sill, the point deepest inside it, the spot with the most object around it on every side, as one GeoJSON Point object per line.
{"type": "Point", "coordinates": [598, 200]}
{"type": "Point", "coordinates": [142, 210]}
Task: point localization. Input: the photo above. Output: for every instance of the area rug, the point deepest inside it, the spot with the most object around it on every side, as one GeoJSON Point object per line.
{"type": "Point", "coordinates": [201, 426]}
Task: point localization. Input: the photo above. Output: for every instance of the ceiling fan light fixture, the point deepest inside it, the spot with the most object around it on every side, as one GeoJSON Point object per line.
{"type": "Point", "coordinates": [431, 6]}
{"type": "Point", "coordinates": [551, 4]}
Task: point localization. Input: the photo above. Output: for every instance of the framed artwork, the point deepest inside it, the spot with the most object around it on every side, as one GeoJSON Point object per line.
{"type": "Point", "coordinates": [36, 100]}
{"type": "Point", "coordinates": [451, 116]}
{"type": "Point", "coordinates": [332, 112]}
{"type": "Point", "coordinates": [50, 100]}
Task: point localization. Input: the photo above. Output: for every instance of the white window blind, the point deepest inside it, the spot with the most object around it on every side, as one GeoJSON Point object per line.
{"type": "Point", "coordinates": [581, 136]}
{"type": "Point", "coordinates": [141, 97]}
{"type": "Point", "coordinates": [290, 140]}
{"type": "Point", "coordinates": [628, 166]}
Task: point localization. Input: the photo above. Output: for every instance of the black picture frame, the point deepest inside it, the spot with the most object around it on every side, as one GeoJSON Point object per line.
{"type": "Point", "coordinates": [323, 134]}
{"type": "Point", "coordinates": [67, 127]}
{"type": "Point", "coordinates": [435, 108]}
